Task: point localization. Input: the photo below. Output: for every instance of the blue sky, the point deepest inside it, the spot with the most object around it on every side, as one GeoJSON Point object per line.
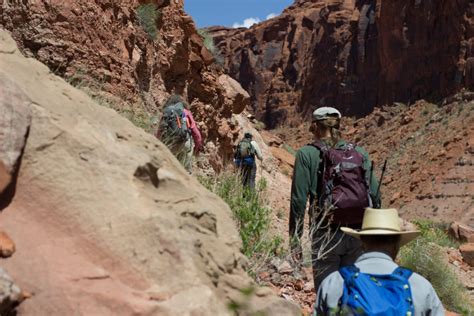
{"type": "Point", "coordinates": [233, 13]}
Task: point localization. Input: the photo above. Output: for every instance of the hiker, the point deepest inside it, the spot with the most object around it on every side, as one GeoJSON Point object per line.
{"type": "Point", "coordinates": [244, 158]}
{"type": "Point", "coordinates": [179, 132]}
{"type": "Point", "coordinates": [337, 177]}
{"type": "Point", "coordinates": [375, 284]}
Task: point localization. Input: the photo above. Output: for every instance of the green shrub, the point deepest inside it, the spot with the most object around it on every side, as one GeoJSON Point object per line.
{"type": "Point", "coordinates": [435, 233]}
{"type": "Point", "coordinates": [148, 15]}
{"type": "Point", "coordinates": [289, 149]}
{"type": "Point", "coordinates": [209, 44]}
{"type": "Point", "coordinates": [425, 256]}
{"type": "Point", "coordinates": [208, 41]}
{"type": "Point", "coordinates": [250, 213]}
{"type": "Point", "coordinates": [259, 126]}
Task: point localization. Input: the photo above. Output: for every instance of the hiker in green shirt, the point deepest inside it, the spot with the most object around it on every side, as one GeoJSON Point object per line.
{"type": "Point", "coordinates": [328, 185]}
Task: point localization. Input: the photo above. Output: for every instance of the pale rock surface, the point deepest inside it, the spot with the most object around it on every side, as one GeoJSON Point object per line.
{"type": "Point", "coordinates": [106, 221]}
{"type": "Point", "coordinates": [15, 118]}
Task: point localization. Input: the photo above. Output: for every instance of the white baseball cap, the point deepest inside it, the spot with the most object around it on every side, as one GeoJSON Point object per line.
{"type": "Point", "coordinates": [325, 112]}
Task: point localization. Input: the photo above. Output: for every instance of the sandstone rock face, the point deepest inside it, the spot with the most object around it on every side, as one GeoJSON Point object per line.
{"type": "Point", "coordinates": [106, 221]}
{"type": "Point", "coordinates": [15, 119]}
{"type": "Point", "coordinates": [100, 46]}
{"type": "Point", "coordinates": [350, 54]}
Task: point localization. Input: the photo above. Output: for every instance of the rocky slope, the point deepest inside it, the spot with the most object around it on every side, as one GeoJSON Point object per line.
{"type": "Point", "coordinates": [350, 54]}
{"type": "Point", "coordinates": [130, 55]}
{"type": "Point", "coordinates": [104, 218]}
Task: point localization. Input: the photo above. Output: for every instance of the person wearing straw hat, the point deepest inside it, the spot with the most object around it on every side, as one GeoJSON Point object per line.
{"type": "Point", "coordinates": [381, 238]}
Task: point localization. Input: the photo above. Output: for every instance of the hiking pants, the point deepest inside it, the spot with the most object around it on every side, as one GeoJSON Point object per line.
{"type": "Point", "coordinates": [346, 252]}
{"type": "Point", "coordinates": [184, 153]}
{"type": "Point", "coordinates": [249, 173]}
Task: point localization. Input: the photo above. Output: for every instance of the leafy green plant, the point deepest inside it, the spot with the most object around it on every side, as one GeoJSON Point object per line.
{"type": "Point", "coordinates": [250, 213]}
{"type": "Point", "coordinates": [148, 15]}
{"type": "Point", "coordinates": [425, 256]}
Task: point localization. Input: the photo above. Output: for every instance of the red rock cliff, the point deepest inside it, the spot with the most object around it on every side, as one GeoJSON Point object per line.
{"type": "Point", "coordinates": [352, 54]}
{"type": "Point", "coordinates": [101, 44]}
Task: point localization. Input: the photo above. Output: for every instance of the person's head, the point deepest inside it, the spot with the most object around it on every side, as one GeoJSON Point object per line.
{"type": "Point", "coordinates": [248, 135]}
{"type": "Point", "coordinates": [325, 124]}
{"type": "Point", "coordinates": [389, 244]}
{"type": "Point", "coordinates": [173, 99]}
{"type": "Point", "coordinates": [381, 231]}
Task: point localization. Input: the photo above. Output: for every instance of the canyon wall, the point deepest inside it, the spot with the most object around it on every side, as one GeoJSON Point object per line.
{"type": "Point", "coordinates": [131, 55]}
{"type": "Point", "coordinates": [351, 54]}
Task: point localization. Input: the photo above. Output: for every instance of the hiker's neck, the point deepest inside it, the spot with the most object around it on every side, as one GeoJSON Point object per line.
{"type": "Point", "coordinates": [390, 250]}
{"type": "Point", "coordinates": [321, 134]}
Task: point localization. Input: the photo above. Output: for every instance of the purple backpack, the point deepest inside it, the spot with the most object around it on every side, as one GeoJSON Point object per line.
{"type": "Point", "coordinates": [343, 184]}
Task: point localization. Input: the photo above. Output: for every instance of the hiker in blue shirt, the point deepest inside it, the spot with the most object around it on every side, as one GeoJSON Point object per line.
{"type": "Point", "coordinates": [375, 284]}
{"type": "Point", "coordinates": [244, 158]}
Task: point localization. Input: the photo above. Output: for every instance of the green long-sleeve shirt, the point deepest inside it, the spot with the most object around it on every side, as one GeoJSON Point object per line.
{"type": "Point", "coordinates": [305, 183]}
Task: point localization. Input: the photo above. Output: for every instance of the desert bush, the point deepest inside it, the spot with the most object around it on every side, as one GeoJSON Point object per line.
{"type": "Point", "coordinates": [251, 214]}
{"type": "Point", "coordinates": [289, 149]}
{"type": "Point", "coordinates": [259, 126]}
{"type": "Point", "coordinates": [148, 14]}
{"type": "Point", "coordinates": [209, 44]}
{"type": "Point", "coordinates": [208, 41]}
{"type": "Point", "coordinates": [425, 256]}
{"type": "Point", "coordinates": [138, 117]}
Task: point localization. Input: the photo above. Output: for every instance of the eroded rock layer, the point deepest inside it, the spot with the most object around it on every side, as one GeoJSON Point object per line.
{"type": "Point", "coordinates": [134, 52]}
{"type": "Point", "coordinates": [352, 54]}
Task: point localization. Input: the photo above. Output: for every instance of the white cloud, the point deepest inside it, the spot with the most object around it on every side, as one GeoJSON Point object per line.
{"type": "Point", "coordinates": [247, 23]}
{"type": "Point", "coordinates": [251, 21]}
{"type": "Point", "coordinates": [271, 15]}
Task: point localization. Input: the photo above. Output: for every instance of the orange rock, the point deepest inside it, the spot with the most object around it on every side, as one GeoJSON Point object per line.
{"type": "Point", "coordinates": [467, 251]}
{"type": "Point", "coordinates": [461, 232]}
{"type": "Point", "coordinates": [7, 247]}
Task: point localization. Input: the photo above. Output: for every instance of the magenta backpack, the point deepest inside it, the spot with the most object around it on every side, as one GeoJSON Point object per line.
{"type": "Point", "coordinates": [343, 183]}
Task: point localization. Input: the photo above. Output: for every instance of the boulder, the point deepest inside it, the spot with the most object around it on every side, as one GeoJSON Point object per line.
{"type": "Point", "coordinates": [461, 232]}
{"type": "Point", "coordinates": [234, 94]}
{"type": "Point", "coordinates": [467, 251]}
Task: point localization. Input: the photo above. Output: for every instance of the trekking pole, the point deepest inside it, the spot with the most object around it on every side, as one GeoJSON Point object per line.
{"type": "Point", "coordinates": [381, 178]}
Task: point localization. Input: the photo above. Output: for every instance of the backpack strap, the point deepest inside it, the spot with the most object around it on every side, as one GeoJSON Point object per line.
{"type": "Point", "coordinates": [349, 273]}
{"type": "Point", "coordinates": [405, 273]}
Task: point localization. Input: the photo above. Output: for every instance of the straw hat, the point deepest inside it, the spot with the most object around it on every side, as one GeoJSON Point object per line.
{"type": "Point", "coordinates": [382, 222]}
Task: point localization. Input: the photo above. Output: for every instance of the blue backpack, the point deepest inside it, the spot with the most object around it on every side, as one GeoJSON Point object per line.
{"type": "Point", "coordinates": [376, 294]}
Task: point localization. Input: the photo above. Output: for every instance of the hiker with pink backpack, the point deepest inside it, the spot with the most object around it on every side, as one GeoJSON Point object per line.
{"type": "Point", "coordinates": [337, 177]}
